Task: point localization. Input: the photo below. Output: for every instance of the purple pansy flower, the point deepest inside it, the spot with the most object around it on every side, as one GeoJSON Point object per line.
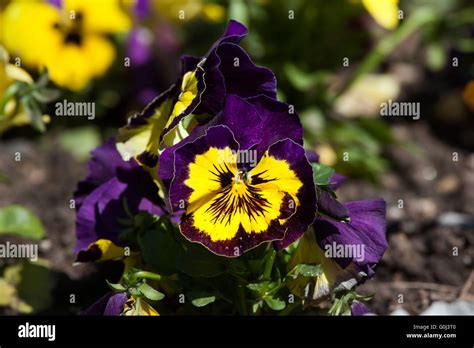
{"type": "Point", "coordinates": [244, 180]}
{"type": "Point", "coordinates": [348, 251]}
{"type": "Point", "coordinates": [200, 91]}
{"type": "Point", "coordinates": [111, 186]}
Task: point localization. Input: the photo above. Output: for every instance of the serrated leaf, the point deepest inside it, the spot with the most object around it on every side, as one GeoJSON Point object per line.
{"type": "Point", "coordinates": [19, 221]}
{"type": "Point", "coordinates": [150, 293]}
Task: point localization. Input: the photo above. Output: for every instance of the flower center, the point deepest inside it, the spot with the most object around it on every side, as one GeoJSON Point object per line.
{"type": "Point", "coordinates": [71, 29]}
{"type": "Point", "coordinates": [242, 177]}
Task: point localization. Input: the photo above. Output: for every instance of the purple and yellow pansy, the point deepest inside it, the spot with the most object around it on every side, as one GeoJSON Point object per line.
{"type": "Point", "coordinates": [239, 184]}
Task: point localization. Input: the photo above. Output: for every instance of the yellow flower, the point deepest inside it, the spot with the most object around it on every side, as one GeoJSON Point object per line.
{"type": "Point", "coordinates": [384, 12]}
{"type": "Point", "coordinates": [184, 10]}
{"type": "Point", "coordinates": [12, 114]}
{"type": "Point", "coordinates": [69, 41]}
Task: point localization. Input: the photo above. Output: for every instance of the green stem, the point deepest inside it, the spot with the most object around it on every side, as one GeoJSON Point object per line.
{"type": "Point", "coordinates": [269, 266]}
{"type": "Point", "coordinates": [418, 19]}
{"type": "Point", "coordinates": [241, 299]}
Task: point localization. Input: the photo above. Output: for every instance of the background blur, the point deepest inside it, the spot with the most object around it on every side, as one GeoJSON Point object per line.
{"type": "Point", "coordinates": [337, 62]}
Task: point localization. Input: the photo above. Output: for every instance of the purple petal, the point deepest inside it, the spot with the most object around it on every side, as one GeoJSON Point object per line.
{"type": "Point", "coordinates": [359, 308]}
{"type": "Point", "coordinates": [278, 122]}
{"type": "Point", "coordinates": [312, 156]}
{"type": "Point", "coordinates": [245, 78]}
{"type": "Point", "coordinates": [336, 181]}
{"type": "Point", "coordinates": [116, 303]}
{"type": "Point", "coordinates": [189, 63]}
{"type": "Point", "coordinates": [142, 8]}
{"type": "Point", "coordinates": [330, 206]}
{"type": "Point", "coordinates": [365, 230]}
{"type": "Point", "coordinates": [109, 304]}
{"type": "Point", "coordinates": [139, 46]}
{"type": "Point", "coordinates": [102, 166]}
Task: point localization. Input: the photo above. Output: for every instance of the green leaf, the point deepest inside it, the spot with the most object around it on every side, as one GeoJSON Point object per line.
{"type": "Point", "coordinates": [34, 113]}
{"type": "Point", "coordinates": [150, 293]}
{"type": "Point", "coordinates": [43, 79]}
{"type": "Point", "coordinates": [159, 249]}
{"type": "Point", "coordinates": [259, 287]}
{"type": "Point", "coordinates": [264, 287]}
{"type": "Point", "coordinates": [19, 221]}
{"type": "Point", "coordinates": [201, 299]}
{"type": "Point", "coordinates": [305, 270]}
{"type": "Point", "coordinates": [46, 95]}
{"type": "Point", "coordinates": [36, 286]}
{"type": "Point", "coordinates": [80, 141]}
{"type": "Point", "coordinates": [256, 307]}
{"type": "Point", "coordinates": [116, 287]}
{"type": "Point", "coordinates": [199, 262]}
{"type": "Point", "coordinates": [275, 303]}
{"type": "Point", "coordinates": [321, 173]}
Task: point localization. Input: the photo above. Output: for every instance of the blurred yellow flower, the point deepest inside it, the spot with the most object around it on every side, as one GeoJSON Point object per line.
{"type": "Point", "coordinates": [69, 41]}
{"type": "Point", "coordinates": [384, 12]}
{"type": "Point", "coordinates": [12, 114]}
{"type": "Point", "coordinates": [177, 10]}
{"type": "Point", "coordinates": [214, 12]}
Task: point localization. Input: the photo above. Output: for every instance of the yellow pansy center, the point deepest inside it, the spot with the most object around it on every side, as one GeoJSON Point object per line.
{"type": "Point", "coordinates": [71, 28]}
{"type": "Point", "coordinates": [226, 198]}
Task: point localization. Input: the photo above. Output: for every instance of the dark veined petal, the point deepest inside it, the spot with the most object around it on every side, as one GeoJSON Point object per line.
{"type": "Point", "coordinates": [230, 209]}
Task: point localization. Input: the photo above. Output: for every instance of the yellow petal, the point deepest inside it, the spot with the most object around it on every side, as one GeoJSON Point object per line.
{"type": "Point", "coordinates": [73, 66]}
{"type": "Point", "coordinates": [103, 16]}
{"type": "Point", "coordinates": [385, 12]}
{"type": "Point", "coordinates": [28, 31]}
{"type": "Point", "coordinates": [214, 12]}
